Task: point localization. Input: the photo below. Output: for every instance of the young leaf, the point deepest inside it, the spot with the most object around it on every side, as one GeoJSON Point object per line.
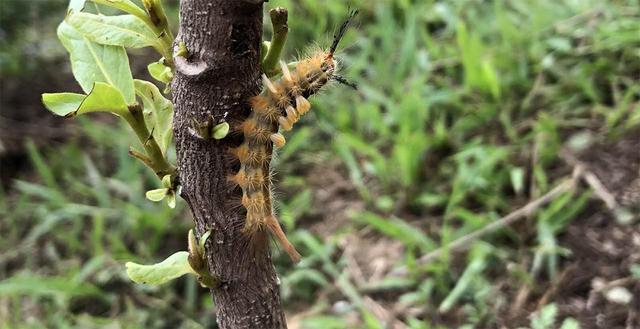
{"type": "Point", "coordinates": [203, 240]}
{"type": "Point", "coordinates": [173, 267]}
{"type": "Point", "coordinates": [221, 130]}
{"type": "Point", "coordinates": [166, 181]}
{"type": "Point", "coordinates": [182, 50]}
{"type": "Point", "coordinates": [157, 194]}
{"type": "Point", "coordinates": [92, 62]}
{"type": "Point", "coordinates": [122, 30]}
{"type": "Point", "coordinates": [171, 200]}
{"type": "Point", "coordinates": [62, 103]}
{"type": "Point", "coordinates": [158, 112]}
{"type": "Point", "coordinates": [160, 72]}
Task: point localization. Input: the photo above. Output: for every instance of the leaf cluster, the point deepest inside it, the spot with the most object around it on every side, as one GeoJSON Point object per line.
{"type": "Point", "coordinates": [97, 46]}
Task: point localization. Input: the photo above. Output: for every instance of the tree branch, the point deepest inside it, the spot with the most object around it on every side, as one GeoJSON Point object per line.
{"type": "Point", "coordinates": [223, 39]}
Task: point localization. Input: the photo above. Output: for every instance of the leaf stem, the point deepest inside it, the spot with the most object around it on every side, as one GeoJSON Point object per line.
{"type": "Point", "coordinates": [141, 156]}
{"type": "Point", "coordinates": [279, 18]}
{"type": "Point", "coordinates": [157, 19]}
{"type": "Point", "coordinates": [154, 157]}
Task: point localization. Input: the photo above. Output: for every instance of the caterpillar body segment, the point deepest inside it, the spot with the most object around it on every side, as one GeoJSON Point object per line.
{"type": "Point", "coordinates": [281, 104]}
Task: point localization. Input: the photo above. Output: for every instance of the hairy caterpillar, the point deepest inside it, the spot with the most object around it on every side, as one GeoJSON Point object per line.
{"type": "Point", "coordinates": [280, 105]}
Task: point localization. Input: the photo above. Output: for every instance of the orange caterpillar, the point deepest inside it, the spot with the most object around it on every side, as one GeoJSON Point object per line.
{"type": "Point", "coordinates": [280, 105]}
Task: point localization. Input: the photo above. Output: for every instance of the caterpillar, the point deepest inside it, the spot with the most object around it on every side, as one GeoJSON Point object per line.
{"type": "Point", "coordinates": [279, 106]}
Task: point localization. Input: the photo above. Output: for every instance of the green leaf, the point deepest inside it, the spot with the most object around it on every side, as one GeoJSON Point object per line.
{"type": "Point", "coordinates": [92, 62]}
{"type": "Point", "coordinates": [122, 30]}
{"type": "Point", "coordinates": [104, 98]}
{"type": "Point", "coordinates": [160, 72]}
{"type": "Point", "coordinates": [62, 103]}
{"type": "Point", "coordinates": [173, 267]}
{"type": "Point", "coordinates": [76, 5]}
{"type": "Point", "coordinates": [490, 76]}
{"type": "Point", "coordinates": [157, 194]}
{"type": "Point", "coordinates": [166, 181]}
{"type": "Point", "coordinates": [125, 5]}
{"type": "Point", "coordinates": [158, 113]}
{"type": "Point", "coordinates": [101, 98]}
{"type": "Point", "coordinates": [219, 131]}
{"type": "Point", "coordinates": [472, 273]}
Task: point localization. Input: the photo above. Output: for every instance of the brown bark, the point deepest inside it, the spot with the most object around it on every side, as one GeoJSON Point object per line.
{"type": "Point", "coordinates": [221, 72]}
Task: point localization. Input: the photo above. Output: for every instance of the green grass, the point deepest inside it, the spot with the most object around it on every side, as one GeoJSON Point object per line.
{"type": "Point", "coordinates": [462, 109]}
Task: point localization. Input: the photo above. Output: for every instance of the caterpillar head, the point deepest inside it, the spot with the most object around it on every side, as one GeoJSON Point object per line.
{"type": "Point", "coordinates": [329, 64]}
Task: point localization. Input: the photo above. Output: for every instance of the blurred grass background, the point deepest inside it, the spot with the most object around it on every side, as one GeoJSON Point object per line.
{"type": "Point", "coordinates": [461, 115]}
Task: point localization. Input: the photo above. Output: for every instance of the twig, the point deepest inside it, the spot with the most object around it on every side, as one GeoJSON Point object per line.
{"type": "Point", "coordinates": [154, 158]}
{"type": "Point", "coordinates": [140, 156]}
{"type": "Point", "coordinates": [535, 89]}
{"type": "Point", "coordinates": [381, 313]}
{"type": "Point", "coordinates": [356, 272]}
{"type": "Point", "coordinates": [567, 274]}
{"type": "Point", "coordinates": [464, 242]}
{"type": "Point", "coordinates": [594, 182]}
{"type": "Point", "coordinates": [600, 190]}
{"type": "Point", "coordinates": [616, 283]}
{"type": "Point", "coordinates": [522, 296]}
{"type": "Point", "coordinates": [279, 18]}
{"type": "Point", "coordinates": [621, 213]}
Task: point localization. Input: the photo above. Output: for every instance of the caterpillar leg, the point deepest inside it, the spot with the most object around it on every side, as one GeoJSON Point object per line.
{"type": "Point", "coordinates": [278, 140]}
{"type": "Point", "coordinates": [276, 230]}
